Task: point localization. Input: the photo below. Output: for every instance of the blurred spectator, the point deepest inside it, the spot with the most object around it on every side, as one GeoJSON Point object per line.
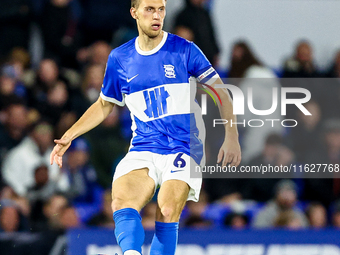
{"type": "Point", "coordinates": [40, 190]}
{"type": "Point", "coordinates": [329, 90]}
{"type": "Point", "coordinates": [21, 203]}
{"type": "Point", "coordinates": [69, 218]}
{"type": "Point", "coordinates": [55, 104]}
{"type": "Point", "coordinates": [63, 40]}
{"type": "Point", "coordinates": [51, 98]}
{"type": "Point", "coordinates": [57, 96]}
{"type": "Point", "coordinates": [14, 25]}
{"type": "Point", "coordinates": [149, 216]}
{"type": "Point", "coordinates": [13, 129]}
{"type": "Point", "coordinates": [275, 154]}
{"type": "Point", "coordinates": [96, 54]}
{"type": "Point", "coordinates": [104, 218]}
{"type": "Point", "coordinates": [195, 210]}
{"type": "Point", "coordinates": [198, 208]}
{"type": "Point", "coordinates": [81, 175]}
{"type": "Point", "coordinates": [306, 136]}
{"type": "Point", "coordinates": [81, 98]}
{"type": "Point", "coordinates": [57, 108]}
{"type": "Point", "coordinates": [11, 89]}
{"type": "Point", "coordinates": [93, 81]}
{"type": "Point", "coordinates": [289, 219]}
{"type": "Point", "coordinates": [194, 23]}
{"type": "Point", "coordinates": [242, 58]}
{"type": "Point", "coordinates": [67, 119]}
{"type": "Point", "coordinates": [102, 18]}
{"type": "Point", "coordinates": [236, 221]}
{"type": "Point", "coordinates": [19, 165]}
{"type": "Point", "coordinates": [110, 147]}
{"type": "Point", "coordinates": [225, 190]}
{"type": "Point", "coordinates": [43, 189]}
{"type": "Point", "coordinates": [302, 63]}
{"type": "Point", "coordinates": [322, 189]}
{"type": "Point", "coordinates": [20, 59]}
{"type": "Point", "coordinates": [51, 212]}
{"type": "Point", "coordinates": [317, 215]}
{"type": "Point", "coordinates": [329, 97]}
{"type": "Point", "coordinates": [47, 76]}
{"type": "Point", "coordinates": [253, 75]}
{"type": "Point", "coordinates": [197, 222]}
{"type": "Point", "coordinates": [336, 215]}
{"type": "Point", "coordinates": [284, 201]}
{"type": "Point", "coordinates": [11, 220]}
{"type": "Point", "coordinates": [334, 70]}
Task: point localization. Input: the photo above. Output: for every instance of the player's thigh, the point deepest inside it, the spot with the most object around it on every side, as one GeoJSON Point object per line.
{"type": "Point", "coordinates": [132, 190]}
{"type": "Point", "coordinates": [172, 197]}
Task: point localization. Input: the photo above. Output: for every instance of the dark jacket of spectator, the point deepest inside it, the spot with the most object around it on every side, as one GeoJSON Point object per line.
{"type": "Point", "coordinates": [14, 25]}
{"type": "Point", "coordinates": [104, 17]}
{"type": "Point", "coordinates": [198, 20]}
{"type": "Point", "coordinates": [326, 188]}
{"type": "Point", "coordinates": [60, 31]}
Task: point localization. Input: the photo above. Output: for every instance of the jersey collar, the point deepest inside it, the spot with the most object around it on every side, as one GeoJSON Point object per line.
{"type": "Point", "coordinates": [159, 46]}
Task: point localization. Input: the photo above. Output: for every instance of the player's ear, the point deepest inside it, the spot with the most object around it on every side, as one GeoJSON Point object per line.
{"type": "Point", "coordinates": [133, 12]}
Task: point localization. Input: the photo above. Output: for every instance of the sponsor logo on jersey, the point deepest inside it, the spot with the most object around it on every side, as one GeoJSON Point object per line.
{"type": "Point", "coordinates": [129, 80]}
{"type": "Point", "coordinates": [169, 71]}
{"type": "Point", "coordinates": [156, 104]}
{"type": "Point", "coordinates": [206, 74]}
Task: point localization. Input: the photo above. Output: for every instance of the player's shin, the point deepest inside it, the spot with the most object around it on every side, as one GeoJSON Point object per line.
{"type": "Point", "coordinates": [129, 231]}
{"type": "Point", "coordinates": [164, 241]}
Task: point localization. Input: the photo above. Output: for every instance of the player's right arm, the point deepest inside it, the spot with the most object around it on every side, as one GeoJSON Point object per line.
{"type": "Point", "coordinates": [97, 112]}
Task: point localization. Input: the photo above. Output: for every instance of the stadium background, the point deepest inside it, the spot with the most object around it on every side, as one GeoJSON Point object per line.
{"type": "Point", "coordinates": [52, 57]}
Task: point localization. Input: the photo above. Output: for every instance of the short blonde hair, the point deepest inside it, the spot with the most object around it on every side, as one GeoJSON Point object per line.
{"type": "Point", "coordinates": [135, 3]}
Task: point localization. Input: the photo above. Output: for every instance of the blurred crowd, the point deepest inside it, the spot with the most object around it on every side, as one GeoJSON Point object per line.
{"type": "Point", "coordinates": [44, 91]}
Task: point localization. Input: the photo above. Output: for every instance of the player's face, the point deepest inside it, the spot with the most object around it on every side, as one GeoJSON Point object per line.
{"type": "Point", "coordinates": [150, 16]}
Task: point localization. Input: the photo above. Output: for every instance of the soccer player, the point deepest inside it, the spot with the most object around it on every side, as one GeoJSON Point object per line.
{"type": "Point", "coordinates": [150, 74]}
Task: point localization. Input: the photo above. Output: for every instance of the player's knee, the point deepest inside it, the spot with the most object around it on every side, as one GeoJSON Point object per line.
{"type": "Point", "coordinates": [170, 213]}
{"type": "Point", "coordinates": [121, 201]}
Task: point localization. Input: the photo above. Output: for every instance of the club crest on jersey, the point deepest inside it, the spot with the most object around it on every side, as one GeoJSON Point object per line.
{"type": "Point", "coordinates": [169, 71]}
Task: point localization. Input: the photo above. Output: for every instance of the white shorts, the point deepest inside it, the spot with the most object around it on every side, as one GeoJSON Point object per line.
{"type": "Point", "coordinates": [162, 168]}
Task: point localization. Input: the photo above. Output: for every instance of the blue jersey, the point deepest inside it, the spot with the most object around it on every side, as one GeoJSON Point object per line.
{"type": "Point", "coordinates": [155, 86]}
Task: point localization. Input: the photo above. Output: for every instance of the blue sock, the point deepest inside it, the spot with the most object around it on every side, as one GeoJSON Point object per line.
{"type": "Point", "coordinates": [164, 241]}
{"type": "Point", "coordinates": [129, 230]}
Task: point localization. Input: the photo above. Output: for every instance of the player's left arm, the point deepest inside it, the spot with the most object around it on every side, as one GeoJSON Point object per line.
{"type": "Point", "coordinates": [200, 67]}
{"type": "Point", "coordinates": [230, 151]}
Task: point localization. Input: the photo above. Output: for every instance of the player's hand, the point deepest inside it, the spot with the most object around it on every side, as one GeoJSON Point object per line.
{"type": "Point", "coordinates": [230, 152]}
{"type": "Point", "coordinates": [59, 150]}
